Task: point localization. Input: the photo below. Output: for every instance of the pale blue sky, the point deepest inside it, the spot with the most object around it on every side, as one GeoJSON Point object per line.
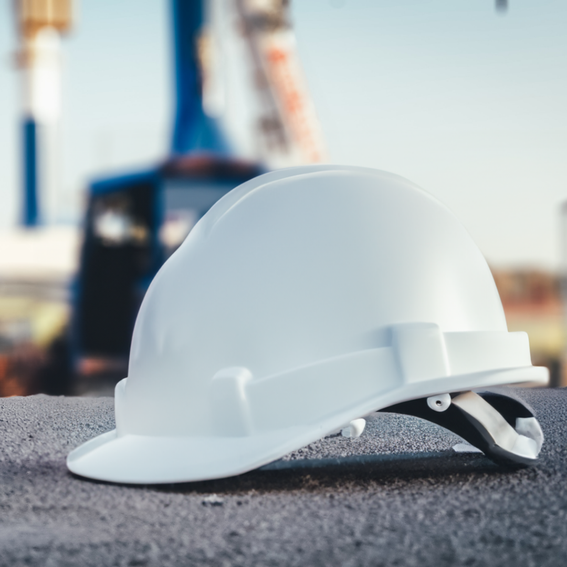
{"type": "Point", "coordinates": [467, 103]}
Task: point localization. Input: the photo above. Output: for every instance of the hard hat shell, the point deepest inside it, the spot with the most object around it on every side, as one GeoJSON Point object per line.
{"type": "Point", "coordinates": [304, 299]}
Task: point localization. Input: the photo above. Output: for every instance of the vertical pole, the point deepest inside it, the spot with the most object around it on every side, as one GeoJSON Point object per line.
{"type": "Point", "coordinates": [39, 24]}
{"type": "Point", "coordinates": [40, 69]}
{"type": "Point", "coordinates": [187, 19]}
{"type": "Point", "coordinates": [193, 129]}
{"type": "Point", "coordinates": [30, 208]}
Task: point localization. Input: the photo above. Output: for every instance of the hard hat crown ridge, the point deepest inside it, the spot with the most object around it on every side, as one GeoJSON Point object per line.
{"type": "Point", "coordinates": [304, 299]}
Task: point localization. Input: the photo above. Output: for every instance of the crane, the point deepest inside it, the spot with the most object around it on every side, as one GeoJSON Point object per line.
{"type": "Point", "coordinates": [134, 222]}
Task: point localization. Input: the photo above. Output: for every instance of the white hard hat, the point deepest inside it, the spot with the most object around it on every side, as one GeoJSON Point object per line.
{"type": "Point", "coordinates": [304, 299]}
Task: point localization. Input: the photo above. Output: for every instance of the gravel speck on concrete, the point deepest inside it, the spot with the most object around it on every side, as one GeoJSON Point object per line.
{"type": "Point", "coordinates": [421, 504]}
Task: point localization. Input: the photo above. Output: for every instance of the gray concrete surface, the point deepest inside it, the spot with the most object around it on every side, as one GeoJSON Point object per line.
{"type": "Point", "coordinates": [417, 503]}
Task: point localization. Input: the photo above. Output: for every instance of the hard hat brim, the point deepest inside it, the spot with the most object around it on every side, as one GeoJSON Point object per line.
{"type": "Point", "coordinates": [141, 459]}
{"type": "Point", "coordinates": [138, 459]}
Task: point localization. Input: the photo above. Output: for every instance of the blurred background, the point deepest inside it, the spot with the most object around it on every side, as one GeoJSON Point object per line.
{"type": "Point", "coordinates": [122, 122]}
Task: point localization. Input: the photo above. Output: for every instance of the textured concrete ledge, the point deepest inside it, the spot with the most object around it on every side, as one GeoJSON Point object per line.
{"type": "Point", "coordinates": [420, 504]}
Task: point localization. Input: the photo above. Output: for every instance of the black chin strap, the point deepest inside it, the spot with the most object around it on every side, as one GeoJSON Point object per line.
{"type": "Point", "coordinates": [502, 427]}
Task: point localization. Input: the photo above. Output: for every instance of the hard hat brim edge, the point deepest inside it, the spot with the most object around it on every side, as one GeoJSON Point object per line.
{"type": "Point", "coordinates": [140, 459]}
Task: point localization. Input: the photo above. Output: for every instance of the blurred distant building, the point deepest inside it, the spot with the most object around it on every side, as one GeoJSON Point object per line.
{"type": "Point", "coordinates": [532, 302]}
{"type": "Point", "coordinates": [242, 107]}
{"type": "Point", "coordinates": [36, 266]}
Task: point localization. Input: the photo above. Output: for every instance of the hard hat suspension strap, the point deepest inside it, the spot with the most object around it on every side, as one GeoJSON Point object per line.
{"type": "Point", "coordinates": [502, 427]}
